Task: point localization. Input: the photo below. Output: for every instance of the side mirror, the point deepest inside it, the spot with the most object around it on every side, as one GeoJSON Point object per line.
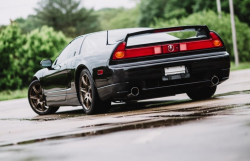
{"type": "Point", "coordinates": [46, 63]}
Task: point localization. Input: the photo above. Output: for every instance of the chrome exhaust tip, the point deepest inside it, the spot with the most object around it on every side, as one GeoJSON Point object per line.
{"type": "Point", "coordinates": [135, 91]}
{"type": "Point", "coordinates": [215, 80]}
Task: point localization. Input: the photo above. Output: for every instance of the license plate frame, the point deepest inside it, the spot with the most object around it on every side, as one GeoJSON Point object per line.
{"type": "Point", "coordinates": [168, 71]}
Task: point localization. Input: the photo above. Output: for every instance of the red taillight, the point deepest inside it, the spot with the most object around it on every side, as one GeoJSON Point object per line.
{"type": "Point", "coordinates": [119, 52]}
{"type": "Point", "coordinates": [122, 53]}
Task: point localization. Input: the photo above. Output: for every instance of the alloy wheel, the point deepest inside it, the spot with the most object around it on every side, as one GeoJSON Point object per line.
{"type": "Point", "coordinates": [37, 98]}
{"type": "Point", "coordinates": [85, 92]}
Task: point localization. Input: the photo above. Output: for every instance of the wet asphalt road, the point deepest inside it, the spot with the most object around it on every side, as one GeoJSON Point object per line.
{"type": "Point", "coordinates": [169, 128]}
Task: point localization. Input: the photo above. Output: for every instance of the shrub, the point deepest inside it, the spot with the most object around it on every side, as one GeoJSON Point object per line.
{"type": "Point", "coordinates": [11, 42]}
{"type": "Point", "coordinates": [44, 43]}
{"type": "Point", "coordinates": [21, 54]}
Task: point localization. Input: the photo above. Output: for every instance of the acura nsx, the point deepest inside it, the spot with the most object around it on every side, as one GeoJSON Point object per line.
{"type": "Point", "coordinates": [128, 65]}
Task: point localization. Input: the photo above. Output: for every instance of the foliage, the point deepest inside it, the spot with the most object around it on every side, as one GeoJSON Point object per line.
{"type": "Point", "coordinates": [21, 54]}
{"type": "Point", "coordinates": [124, 18]}
{"type": "Point", "coordinates": [11, 42]}
{"type": "Point", "coordinates": [241, 8]}
{"type": "Point", "coordinates": [221, 26]}
{"type": "Point", "coordinates": [67, 16]}
{"type": "Point", "coordinates": [44, 43]}
{"type": "Point", "coordinates": [2, 27]}
{"type": "Point", "coordinates": [151, 9]}
{"type": "Point", "coordinates": [168, 9]}
{"type": "Point", "coordinates": [28, 24]}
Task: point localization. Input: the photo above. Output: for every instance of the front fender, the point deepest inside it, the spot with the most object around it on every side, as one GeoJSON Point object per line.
{"type": "Point", "coordinates": [39, 74]}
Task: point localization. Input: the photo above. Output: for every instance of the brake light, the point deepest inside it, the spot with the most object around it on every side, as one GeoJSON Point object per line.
{"type": "Point", "coordinates": [122, 53]}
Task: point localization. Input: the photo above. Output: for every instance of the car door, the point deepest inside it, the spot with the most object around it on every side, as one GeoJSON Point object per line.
{"type": "Point", "coordinates": [55, 81]}
{"type": "Point", "coordinates": [71, 91]}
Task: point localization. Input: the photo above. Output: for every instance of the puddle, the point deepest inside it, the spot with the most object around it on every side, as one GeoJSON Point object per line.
{"type": "Point", "coordinates": [157, 120]}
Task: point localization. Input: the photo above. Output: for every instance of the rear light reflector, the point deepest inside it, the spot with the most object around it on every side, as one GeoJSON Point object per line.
{"type": "Point", "coordinates": [122, 53]}
{"type": "Point", "coordinates": [119, 54]}
{"type": "Point", "coordinates": [100, 72]}
{"type": "Point", "coordinates": [158, 50]}
{"type": "Point", "coordinates": [217, 43]}
{"type": "Point", "coordinates": [183, 47]}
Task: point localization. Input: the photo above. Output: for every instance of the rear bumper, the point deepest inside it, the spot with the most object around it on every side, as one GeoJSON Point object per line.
{"type": "Point", "coordinates": [150, 78]}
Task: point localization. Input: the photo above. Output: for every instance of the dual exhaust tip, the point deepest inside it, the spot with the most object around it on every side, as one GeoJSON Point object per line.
{"type": "Point", "coordinates": [215, 80]}
{"type": "Point", "coordinates": [134, 92]}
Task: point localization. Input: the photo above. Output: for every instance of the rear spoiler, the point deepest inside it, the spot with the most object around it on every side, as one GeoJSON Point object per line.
{"type": "Point", "coordinates": [201, 30]}
{"type": "Point", "coordinates": [206, 39]}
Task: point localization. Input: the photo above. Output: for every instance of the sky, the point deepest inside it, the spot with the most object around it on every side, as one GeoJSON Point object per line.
{"type": "Point", "coordinates": [12, 9]}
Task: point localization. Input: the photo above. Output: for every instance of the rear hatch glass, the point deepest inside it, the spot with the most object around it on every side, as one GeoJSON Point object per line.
{"type": "Point", "coordinates": [165, 37]}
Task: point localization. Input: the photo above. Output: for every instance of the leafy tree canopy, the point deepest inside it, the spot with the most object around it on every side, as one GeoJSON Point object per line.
{"type": "Point", "coordinates": [67, 16]}
{"type": "Point", "coordinates": [124, 18]}
{"type": "Point", "coordinates": [168, 9]}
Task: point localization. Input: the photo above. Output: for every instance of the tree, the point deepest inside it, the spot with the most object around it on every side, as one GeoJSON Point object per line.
{"type": "Point", "coordinates": [67, 16]}
{"type": "Point", "coordinates": [151, 9]}
{"type": "Point", "coordinates": [241, 8]}
{"type": "Point", "coordinates": [28, 24]}
{"type": "Point", "coordinates": [168, 9]}
{"type": "Point", "coordinates": [124, 18]}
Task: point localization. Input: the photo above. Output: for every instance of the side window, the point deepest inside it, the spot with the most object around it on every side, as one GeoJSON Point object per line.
{"type": "Point", "coordinates": [71, 50]}
{"type": "Point", "coordinates": [94, 42]}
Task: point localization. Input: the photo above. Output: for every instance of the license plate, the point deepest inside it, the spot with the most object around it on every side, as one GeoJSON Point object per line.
{"type": "Point", "coordinates": [175, 70]}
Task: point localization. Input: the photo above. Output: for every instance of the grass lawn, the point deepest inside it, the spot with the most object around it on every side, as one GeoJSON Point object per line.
{"type": "Point", "coordinates": [13, 94]}
{"type": "Point", "coordinates": [245, 65]}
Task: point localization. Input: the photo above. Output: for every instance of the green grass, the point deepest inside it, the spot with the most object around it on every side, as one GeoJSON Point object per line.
{"type": "Point", "coordinates": [13, 94]}
{"type": "Point", "coordinates": [243, 65]}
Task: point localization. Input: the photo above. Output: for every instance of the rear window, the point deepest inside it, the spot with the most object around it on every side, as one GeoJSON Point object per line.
{"type": "Point", "coordinates": [94, 42]}
{"type": "Point", "coordinates": [165, 37]}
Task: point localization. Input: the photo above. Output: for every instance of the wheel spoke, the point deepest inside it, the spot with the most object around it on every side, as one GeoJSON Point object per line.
{"type": "Point", "coordinates": [85, 99]}
{"type": "Point", "coordinates": [90, 99]}
{"type": "Point", "coordinates": [83, 90]}
{"type": "Point", "coordinates": [37, 103]}
{"type": "Point", "coordinates": [34, 97]}
{"type": "Point", "coordinates": [89, 89]}
{"type": "Point", "coordinates": [42, 105]}
{"type": "Point", "coordinates": [35, 90]}
{"type": "Point", "coordinates": [87, 81]}
{"type": "Point", "coordinates": [84, 82]}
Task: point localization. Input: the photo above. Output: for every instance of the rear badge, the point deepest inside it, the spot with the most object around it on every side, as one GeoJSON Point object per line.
{"type": "Point", "coordinates": [170, 48]}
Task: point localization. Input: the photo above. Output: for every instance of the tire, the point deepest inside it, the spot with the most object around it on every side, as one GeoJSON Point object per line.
{"type": "Point", "coordinates": [202, 93]}
{"type": "Point", "coordinates": [89, 97]}
{"type": "Point", "coordinates": [37, 100]}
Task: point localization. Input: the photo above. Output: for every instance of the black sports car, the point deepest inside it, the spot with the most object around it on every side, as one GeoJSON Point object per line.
{"type": "Point", "coordinates": [131, 64]}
